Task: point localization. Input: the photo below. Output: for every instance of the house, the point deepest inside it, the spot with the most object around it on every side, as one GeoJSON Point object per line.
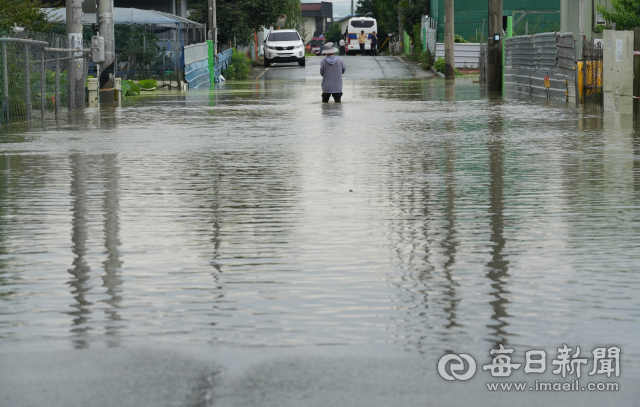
{"type": "Point", "coordinates": [317, 18]}
{"type": "Point", "coordinates": [469, 16]}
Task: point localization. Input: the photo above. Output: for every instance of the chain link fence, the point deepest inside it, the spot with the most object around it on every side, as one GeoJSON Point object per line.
{"type": "Point", "coordinates": [33, 76]}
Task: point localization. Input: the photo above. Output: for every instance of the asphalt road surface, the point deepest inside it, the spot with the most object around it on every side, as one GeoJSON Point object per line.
{"type": "Point", "coordinates": [358, 67]}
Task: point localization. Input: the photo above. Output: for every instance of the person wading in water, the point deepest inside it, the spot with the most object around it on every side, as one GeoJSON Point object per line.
{"type": "Point", "coordinates": [331, 69]}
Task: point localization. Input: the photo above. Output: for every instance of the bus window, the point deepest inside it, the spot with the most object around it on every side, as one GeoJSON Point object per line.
{"type": "Point", "coordinates": [362, 23]}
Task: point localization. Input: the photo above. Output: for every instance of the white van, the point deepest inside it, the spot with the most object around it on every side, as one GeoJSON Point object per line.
{"type": "Point", "coordinates": [356, 25]}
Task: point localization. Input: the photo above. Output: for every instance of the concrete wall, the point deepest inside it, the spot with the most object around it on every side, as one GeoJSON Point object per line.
{"type": "Point", "coordinates": [618, 71]}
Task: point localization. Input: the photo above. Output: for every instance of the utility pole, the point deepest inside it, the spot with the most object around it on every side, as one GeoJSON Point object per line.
{"type": "Point", "coordinates": [449, 43]}
{"type": "Point", "coordinates": [75, 67]}
{"type": "Point", "coordinates": [494, 49]}
{"type": "Point", "coordinates": [212, 24]}
{"type": "Point", "coordinates": [636, 71]}
{"type": "Point", "coordinates": [105, 27]}
{"type": "Point", "coordinates": [400, 30]}
{"type": "Point", "coordinates": [351, 7]}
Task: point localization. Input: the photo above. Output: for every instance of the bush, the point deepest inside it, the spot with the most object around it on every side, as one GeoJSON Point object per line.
{"type": "Point", "coordinates": [239, 67]}
{"type": "Point", "coordinates": [439, 66]}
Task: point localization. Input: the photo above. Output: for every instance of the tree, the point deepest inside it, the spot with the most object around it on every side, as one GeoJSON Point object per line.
{"type": "Point", "coordinates": [333, 33]}
{"type": "Point", "coordinates": [239, 19]}
{"type": "Point", "coordinates": [24, 13]}
{"type": "Point", "coordinates": [384, 11]}
{"type": "Point", "coordinates": [625, 13]}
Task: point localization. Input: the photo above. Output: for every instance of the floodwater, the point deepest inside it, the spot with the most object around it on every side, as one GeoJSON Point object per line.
{"type": "Point", "coordinates": [286, 244]}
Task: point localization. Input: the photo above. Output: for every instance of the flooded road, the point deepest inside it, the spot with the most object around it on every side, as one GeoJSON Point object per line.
{"type": "Point", "coordinates": [253, 246]}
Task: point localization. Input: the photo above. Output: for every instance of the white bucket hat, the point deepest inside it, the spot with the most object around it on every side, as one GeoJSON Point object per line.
{"type": "Point", "coordinates": [329, 48]}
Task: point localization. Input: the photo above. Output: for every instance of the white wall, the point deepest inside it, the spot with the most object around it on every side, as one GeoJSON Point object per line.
{"type": "Point", "coordinates": [309, 25]}
{"type": "Point", "coordinates": [617, 81]}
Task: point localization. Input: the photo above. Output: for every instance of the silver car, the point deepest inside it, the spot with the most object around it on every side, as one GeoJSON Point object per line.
{"type": "Point", "coordinates": [283, 46]}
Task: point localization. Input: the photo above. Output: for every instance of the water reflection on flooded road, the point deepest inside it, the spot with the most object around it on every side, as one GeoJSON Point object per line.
{"type": "Point", "coordinates": [226, 219]}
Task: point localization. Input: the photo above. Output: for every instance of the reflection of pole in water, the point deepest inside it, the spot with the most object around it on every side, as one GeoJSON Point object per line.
{"type": "Point", "coordinates": [498, 266]}
{"type": "Point", "coordinates": [80, 269]}
{"type": "Point", "coordinates": [112, 280]}
{"type": "Point", "coordinates": [450, 90]}
{"type": "Point", "coordinates": [449, 243]}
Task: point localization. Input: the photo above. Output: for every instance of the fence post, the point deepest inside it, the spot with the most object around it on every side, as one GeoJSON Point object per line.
{"type": "Point", "coordinates": [27, 81]}
{"type": "Point", "coordinates": [57, 83]}
{"type": "Point", "coordinates": [636, 71]}
{"type": "Point", "coordinates": [43, 82]}
{"type": "Point", "coordinates": [5, 91]}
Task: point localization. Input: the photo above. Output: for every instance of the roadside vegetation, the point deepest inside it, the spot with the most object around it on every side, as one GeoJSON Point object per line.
{"type": "Point", "coordinates": [25, 13]}
{"type": "Point", "coordinates": [239, 67]}
{"type": "Point", "coordinates": [625, 14]}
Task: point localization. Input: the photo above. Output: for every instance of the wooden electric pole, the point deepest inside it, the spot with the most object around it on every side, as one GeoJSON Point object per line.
{"type": "Point", "coordinates": [449, 40]}
{"type": "Point", "coordinates": [494, 51]}
{"type": "Point", "coordinates": [105, 27]}
{"type": "Point", "coordinates": [75, 65]}
{"type": "Point", "coordinates": [636, 71]}
{"type": "Point", "coordinates": [400, 30]}
{"type": "Point", "coordinates": [212, 25]}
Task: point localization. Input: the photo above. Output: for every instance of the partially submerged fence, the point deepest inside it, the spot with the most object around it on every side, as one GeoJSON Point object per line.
{"type": "Point", "coordinates": [196, 65]}
{"type": "Point", "coordinates": [33, 76]}
{"type": "Point", "coordinates": [539, 65]}
{"type": "Point", "coordinates": [467, 55]}
{"type": "Point", "coordinates": [223, 60]}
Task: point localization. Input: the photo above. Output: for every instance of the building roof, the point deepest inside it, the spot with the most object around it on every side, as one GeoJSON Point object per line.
{"type": "Point", "coordinates": [311, 7]}
{"type": "Point", "coordinates": [124, 16]}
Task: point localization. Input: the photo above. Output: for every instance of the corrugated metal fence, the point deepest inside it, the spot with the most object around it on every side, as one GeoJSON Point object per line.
{"type": "Point", "coordinates": [467, 55]}
{"type": "Point", "coordinates": [539, 65]}
{"type": "Point", "coordinates": [196, 65]}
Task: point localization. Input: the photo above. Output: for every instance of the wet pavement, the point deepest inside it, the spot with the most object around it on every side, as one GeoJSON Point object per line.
{"type": "Point", "coordinates": [252, 246]}
{"type": "Point", "coordinates": [358, 67]}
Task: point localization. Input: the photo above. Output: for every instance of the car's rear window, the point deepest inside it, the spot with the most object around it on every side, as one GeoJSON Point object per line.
{"type": "Point", "coordinates": [286, 36]}
{"type": "Point", "coordinates": [317, 42]}
{"type": "Point", "coordinates": [361, 23]}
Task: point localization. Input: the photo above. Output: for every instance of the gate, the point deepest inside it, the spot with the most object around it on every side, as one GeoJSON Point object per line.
{"type": "Point", "coordinates": [591, 75]}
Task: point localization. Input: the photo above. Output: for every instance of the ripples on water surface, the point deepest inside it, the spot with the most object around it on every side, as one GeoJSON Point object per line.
{"type": "Point", "coordinates": [227, 219]}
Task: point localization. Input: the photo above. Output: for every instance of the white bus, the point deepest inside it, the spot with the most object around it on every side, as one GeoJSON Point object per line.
{"type": "Point", "coordinates": [356, 25]}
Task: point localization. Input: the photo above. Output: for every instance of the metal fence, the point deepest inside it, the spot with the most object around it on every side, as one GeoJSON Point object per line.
{"type": "Point", "coordinates": [467, 55]}
{"type": "Point", "coordinates": [196, 65]}
{"type": "Point", "coordinates": [223, 60]}
{"type": "Point", "coordinates": [591, 73]}
{"type": "Point", "coordinates": [33, 79]}
{"type": "Point", "coordinates": [539, 65]}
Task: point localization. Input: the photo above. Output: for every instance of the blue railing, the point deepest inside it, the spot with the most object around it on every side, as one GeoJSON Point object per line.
{"type": "Point", "coordinates": [223, 60]}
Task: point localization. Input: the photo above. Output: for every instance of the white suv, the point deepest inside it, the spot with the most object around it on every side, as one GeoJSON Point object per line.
{"type": "Point", "coordinates": [283, 46]}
